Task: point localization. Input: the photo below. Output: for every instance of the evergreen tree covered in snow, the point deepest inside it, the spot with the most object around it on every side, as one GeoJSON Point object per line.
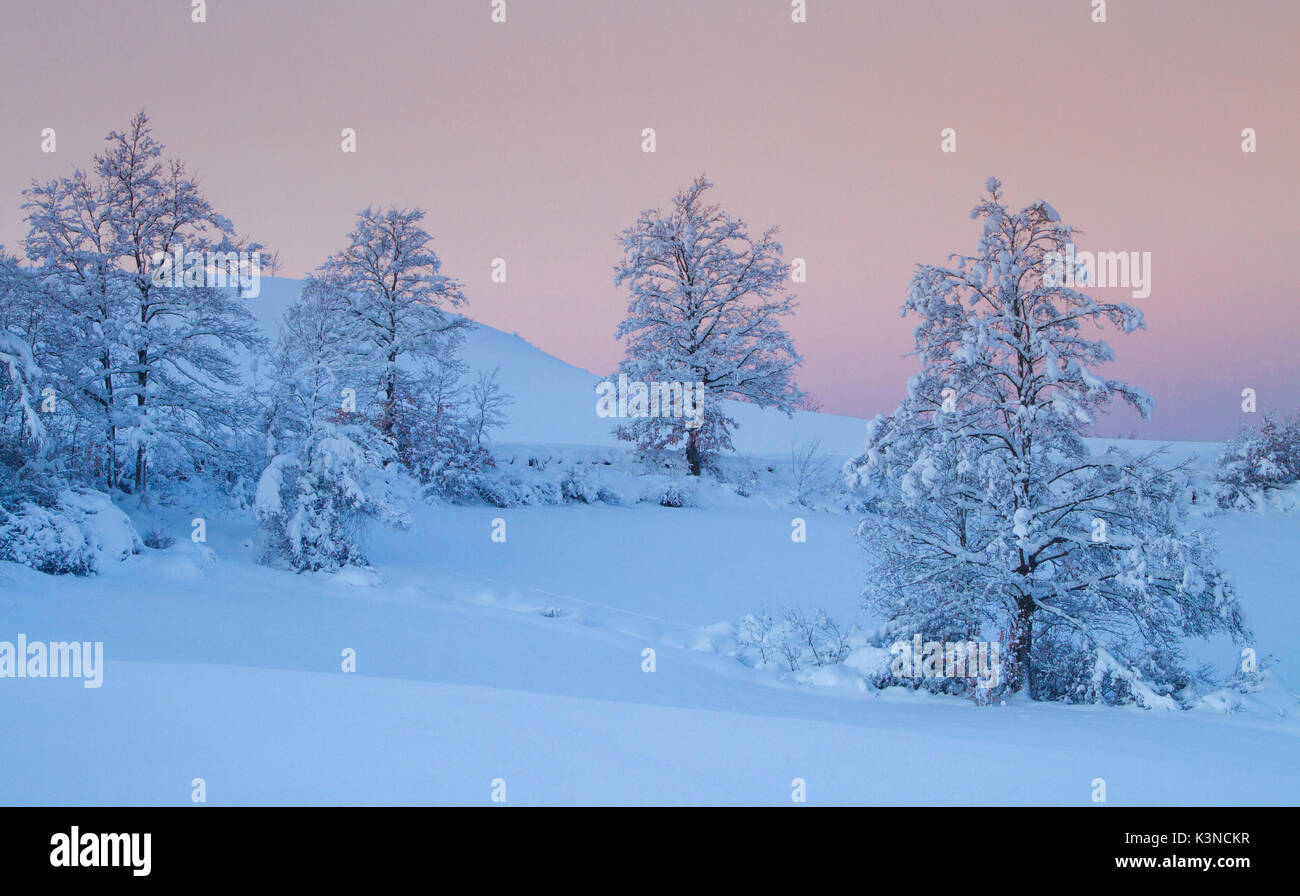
{"type": "Point", "coordinates": [706, 306]}
{"type": "Point", "coordinates": [329, 470]}
{"type": "Point", "coordinates": [993, 519]}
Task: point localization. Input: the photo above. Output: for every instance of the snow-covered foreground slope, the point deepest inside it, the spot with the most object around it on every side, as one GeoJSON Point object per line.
{"type": "Point", "coordinates": [523, 661]}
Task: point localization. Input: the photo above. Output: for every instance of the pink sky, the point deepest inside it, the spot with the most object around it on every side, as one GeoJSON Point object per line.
{"type": "Point", "coordinates": [523, 141]}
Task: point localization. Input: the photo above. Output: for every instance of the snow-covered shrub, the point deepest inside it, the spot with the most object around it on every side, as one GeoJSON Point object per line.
{"type": "Point", "coordinates": [547, 491]}
{"type": "Point", "coordinates": [77, 533]}
{"type": "Point", "coordinates": [935, 627]}
{"type": "Point", "coordinates": [607, 495]}
{"type": "Point", "coordinates": [1072, 671]}
{"type": "Point", "coordinates": [44, 522]}
{"type": "Point", "coordinates": [313, 506]}
{"type": "Point", "coordinates": [504, 488]}
{"type": "Point", "coordinates": [745, 478]}
{"type": "Point", "coordinates": [158, 539]}
{"type": "Point", "coordinates": [1247, 679]}
{"type": "Point", "coordinates": [792, 640]}
{"type": "Point", "coordinates": [576, 487]}
{"type": "Point", "coordinates": [46, 540]}
{"type": "Point", "coordinates": [458, 476]}
{"type": "Point", "coordinates": [108, 530]}
{"type": "Point", "coordinates": [808, 468]}
{"type": "Point", "coordinates": [437, 441]}
{"type": "Point", "coordinates": [673, 493]}
{"type": "Point", "coordinates": [1258, 459]}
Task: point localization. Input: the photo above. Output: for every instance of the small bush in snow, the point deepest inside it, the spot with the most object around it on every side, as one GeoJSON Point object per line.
{"type": "Point", "coordinates": [808, 468]}
{"type": "Point", "coordinates": [74, 534]}
{"type": "Point", "coordinates": [746, 478]}
{"type": "Point", "coordinates": [504, 489]}
{"type": "Point", "coordinates": [577, 488]}
{"type": "Point", "coordinates": [793, 641]}
{"type": "Point", "coordinates": [313, 506]}
{"type": "Point", "coordinates": [1257, 459]}
{"type": "Point", "coordinates": [158, 539]}
{"type": "Point", "coordinates": [46, 540]}
{"type": "Point", "coordinates": [674, 494]}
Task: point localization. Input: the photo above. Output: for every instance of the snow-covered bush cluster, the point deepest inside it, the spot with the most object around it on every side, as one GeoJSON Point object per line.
{"type": "Point", "coordinates": [1258, 460]}
{"type": "Point", "coordinates": [578, 487]}
{"type": "Point", "coordinates": [541, 475]}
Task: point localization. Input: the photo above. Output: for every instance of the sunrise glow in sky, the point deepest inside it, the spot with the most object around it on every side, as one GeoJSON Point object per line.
{"type": "Point", "coordinates": [524, 142]}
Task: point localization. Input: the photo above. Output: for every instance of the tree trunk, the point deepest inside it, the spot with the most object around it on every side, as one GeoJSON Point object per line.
{"type": "Point", "coordinates": [1021, 648]}
{"type": "Point", "coordinates": [110, 458]}
{"type": "Point", "coordinates": [141, 468]}
{"type": "Point", "coordinates": [693, 459]}
{"type": "Point", "coordinates": [110, 434]}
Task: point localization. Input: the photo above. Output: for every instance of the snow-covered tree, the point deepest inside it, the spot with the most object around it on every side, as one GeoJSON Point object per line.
{"type": "Point", "coordinates": [43, 524]}
{"type": "Point", "coordinates": [398, 306]}
{"type": "Point", "coordinates": [706, 306]}
{"type": "Point", "coordinates": [992, 516]}
{"type": "Point", "coordinates": [25, 448]}
{"type": "Point", "coordinates": [22, 431]}
{"type": "Point", "coordinates": [434, 429]}
{"type": "Point", "coordinates": [487, 405]}
{"type": "Point", "coordinates": [1258, 458]}
{"type": "Point", "coordinates": [328, 471]}
{"type": "Point", "coordinates": [152, 364]}
{"type": "Point", "coordinates": [71, 240]}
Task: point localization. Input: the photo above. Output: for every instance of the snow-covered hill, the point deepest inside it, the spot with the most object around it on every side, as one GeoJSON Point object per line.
{"type": "Point", "coordinates": [555, 402]}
